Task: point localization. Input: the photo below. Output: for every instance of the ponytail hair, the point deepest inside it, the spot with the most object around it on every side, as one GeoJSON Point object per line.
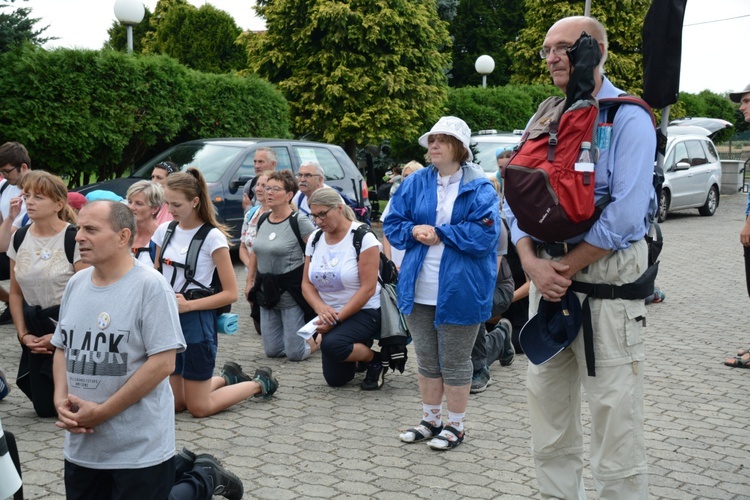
{"type": "Point", "coordinates": [192, 184]}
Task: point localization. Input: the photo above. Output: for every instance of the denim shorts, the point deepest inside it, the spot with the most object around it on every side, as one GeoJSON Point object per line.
{"type": "Point", "coordinates": [198, 360]}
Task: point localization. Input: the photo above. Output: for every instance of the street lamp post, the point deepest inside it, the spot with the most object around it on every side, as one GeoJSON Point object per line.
{"type": "Point", "coordinates": [129, 13]}
{"type": "Point", "coordinates": [484, 66]}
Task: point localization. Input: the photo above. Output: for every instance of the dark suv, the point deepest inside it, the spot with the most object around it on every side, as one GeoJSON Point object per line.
{"type": "Point", "coordinates": [227, 164]}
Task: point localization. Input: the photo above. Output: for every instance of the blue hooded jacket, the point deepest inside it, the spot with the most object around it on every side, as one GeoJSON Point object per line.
{"type": "Point", "coordinates": [468, 268]}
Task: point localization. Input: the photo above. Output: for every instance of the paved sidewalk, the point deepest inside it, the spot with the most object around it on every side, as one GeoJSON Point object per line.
{"type": "Point", "coordinates": [312, 441]}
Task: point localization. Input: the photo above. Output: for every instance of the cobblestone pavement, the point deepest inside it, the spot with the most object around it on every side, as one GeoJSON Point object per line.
{"type": "Point", "coordinates": [313, 441]}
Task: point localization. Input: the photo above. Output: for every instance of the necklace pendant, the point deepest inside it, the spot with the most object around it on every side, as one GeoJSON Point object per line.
{"type": "Point", "coordinates": [45, 253]}
{"type": "Point", "coordinates": [272, 236]}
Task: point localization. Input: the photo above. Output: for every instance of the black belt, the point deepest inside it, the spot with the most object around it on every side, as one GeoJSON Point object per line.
{"type": "Point", "coordinates": [557, 249]}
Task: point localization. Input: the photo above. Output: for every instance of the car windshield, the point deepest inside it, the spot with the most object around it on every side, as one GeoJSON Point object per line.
{"type": "Point", "coordinates": [210, 158]}
{"type": "Point", "coordinates": [484, 152]}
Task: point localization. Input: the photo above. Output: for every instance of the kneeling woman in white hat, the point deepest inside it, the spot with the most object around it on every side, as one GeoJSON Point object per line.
{"type": "Point", "coordinates": [446, 218]}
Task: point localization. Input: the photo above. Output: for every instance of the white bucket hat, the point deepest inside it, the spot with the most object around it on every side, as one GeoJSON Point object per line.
{"type": "Point", "coordinates": [450, 125]}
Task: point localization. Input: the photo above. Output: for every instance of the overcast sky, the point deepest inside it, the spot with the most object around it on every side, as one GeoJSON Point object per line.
{"type": "Point", "coordinates": [714, 52]}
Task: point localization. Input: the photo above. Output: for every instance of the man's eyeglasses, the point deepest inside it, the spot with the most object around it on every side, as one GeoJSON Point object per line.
{"type": "Point", "coordinates": [6, 171]}
{"type": "Point", "coordinates": [321, 215]}
{"type": "Point", "coordinates": [559, 50]}
{"type": "Point", "coordinates": [307, 176]}
{"type": "Point", "coordinates": [275, 189]}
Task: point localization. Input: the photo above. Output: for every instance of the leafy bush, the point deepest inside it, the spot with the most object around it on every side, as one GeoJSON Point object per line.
{"type": "Point", "coordinates": [82, 113]}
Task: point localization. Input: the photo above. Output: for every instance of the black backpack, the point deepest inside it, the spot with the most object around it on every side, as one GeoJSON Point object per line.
{"type": "Point", "coordinates": [70, 240]}
{"type": "Point", "coordinates": [191, 260]}
{"type": "Point", "coordinates": [387, 272]}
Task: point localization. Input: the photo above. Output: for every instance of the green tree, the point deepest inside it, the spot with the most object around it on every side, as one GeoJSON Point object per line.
{"type": "Point", "coordinates": [355, 71]}
{"type": "Point", "coordinates": [201, 38]}
{"type": "Point", "coordinates": [16, 27]}
{"type": "Point", "coordinates": [118, 35]}
{"type": "Point", "coordinates": [484, 27]}
{"type": "Point", "coordinates": [623, 20]}
{"type": "Point", "coordinates": [708, 104]}
{"type": "Point", "coordinates": [447, 9]}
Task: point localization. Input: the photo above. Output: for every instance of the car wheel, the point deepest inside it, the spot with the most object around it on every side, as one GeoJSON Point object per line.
{"type": "Point", "coordinates": [712, 202]}
{"type": "Point", "coordinates": [661, 215]}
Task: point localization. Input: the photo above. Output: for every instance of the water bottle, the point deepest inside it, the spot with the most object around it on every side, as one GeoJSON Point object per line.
{"type": "Point", "coordinates": [585, 162]}
{"type": "Point", "coordinates": [585, 156]}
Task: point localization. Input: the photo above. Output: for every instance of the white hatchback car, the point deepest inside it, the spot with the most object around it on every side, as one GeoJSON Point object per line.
{"type": "Point", "coordinates": [692, 173]}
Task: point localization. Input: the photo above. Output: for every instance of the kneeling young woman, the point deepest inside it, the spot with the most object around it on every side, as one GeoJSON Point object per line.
{"type": "Point", "coordinates": [193, 384]}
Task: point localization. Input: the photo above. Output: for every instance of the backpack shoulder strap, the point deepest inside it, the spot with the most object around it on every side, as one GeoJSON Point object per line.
{"type": "Point", "coordinates": [612, 104]}
{"type": "Point", "coordinates": [261, 220]}
{"type": "Point", "coordinates": [191, 259]}
{"type": "Point", "coordinates": [70, 242]}
{"type": "Point", "coordinates": [359, 235]}
{"type": "Point", "coordinates": [19, 236]}
{"type": "Point", "coordinates": [167, 236]}
{"type": "Point", "coordinates": [316, 238]}
{"type": "Point", "coordinates": [4, 187]}
{"type": "Point", "coordinates": [294, 222]}
{"type": "Point", "coordinates": [299, 203]}
{"type": "Point", "coordinates": [152, 250]}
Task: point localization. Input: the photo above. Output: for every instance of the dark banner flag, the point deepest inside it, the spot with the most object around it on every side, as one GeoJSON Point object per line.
{"type": "Point", "coordinates": [662, 52]}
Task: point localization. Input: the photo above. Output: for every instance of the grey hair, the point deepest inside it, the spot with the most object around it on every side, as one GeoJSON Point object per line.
{"type": "Point", "coordinates": [270, 153]}
{"type": "Point", "coordinates": [153, 191]}
{"type": "Point", "coordinates": [120, 217]}
{"type": "Point", "coordinates": [598, 31]}
{"type": "Point", "coordinates": [330, 198]}
{"type": "Point", "coordinates": [318, 169]}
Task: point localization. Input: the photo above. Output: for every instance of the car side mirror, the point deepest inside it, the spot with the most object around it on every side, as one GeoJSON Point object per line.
{"type": "Point", "coordinates": [682, 165]}
{"type": "Point", "coordinates": [239, 182]}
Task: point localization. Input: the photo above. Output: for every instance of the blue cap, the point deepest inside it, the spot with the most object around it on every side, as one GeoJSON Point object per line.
{"type": "Point", "coordinates": [553, 328]}
{"type": "Point", "coordinates": [101, 194]}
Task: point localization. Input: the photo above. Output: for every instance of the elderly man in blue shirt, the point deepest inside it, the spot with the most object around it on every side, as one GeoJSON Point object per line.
{"type": "Point", "coordinates": [612, 251]}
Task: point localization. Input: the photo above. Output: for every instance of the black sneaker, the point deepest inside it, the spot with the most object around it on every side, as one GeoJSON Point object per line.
{"type": "Point", "coordinates": [480, 380]}
{"type": "Point", "coordinates": [226, 484]}
{"type": "Point", "coordinates": [5, 317]}
{"type": "Point", "coordinates": [267, 382]}
{"type": "Point", "coordinates": [232, 373]}
{"type": "Point", "coordinates": [375, 376]}
{"type": "Point", "coordinates": [183, 462]}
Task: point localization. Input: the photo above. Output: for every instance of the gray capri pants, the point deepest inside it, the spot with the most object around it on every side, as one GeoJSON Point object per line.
{"type": "Point", "coordinates": [444, 352]}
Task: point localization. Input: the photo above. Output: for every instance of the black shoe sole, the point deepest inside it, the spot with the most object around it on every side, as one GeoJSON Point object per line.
{"type": "Point", "coordinates": [229, 485]}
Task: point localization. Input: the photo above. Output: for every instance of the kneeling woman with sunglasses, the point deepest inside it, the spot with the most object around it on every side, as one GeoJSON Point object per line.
{"type": "Point", "coordinates": [344, 291]}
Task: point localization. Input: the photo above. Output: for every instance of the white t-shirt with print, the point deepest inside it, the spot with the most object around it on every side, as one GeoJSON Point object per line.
{"type": "Point", "coordinates": [177, 252]}
{"type": "Point", "coordinates": [334, 270]}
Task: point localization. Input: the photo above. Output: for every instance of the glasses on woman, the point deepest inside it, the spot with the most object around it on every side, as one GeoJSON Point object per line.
{"type": "Point", "coordinates": [321, 215]}
{"type": "Point", "coordinates": [275, 189]}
